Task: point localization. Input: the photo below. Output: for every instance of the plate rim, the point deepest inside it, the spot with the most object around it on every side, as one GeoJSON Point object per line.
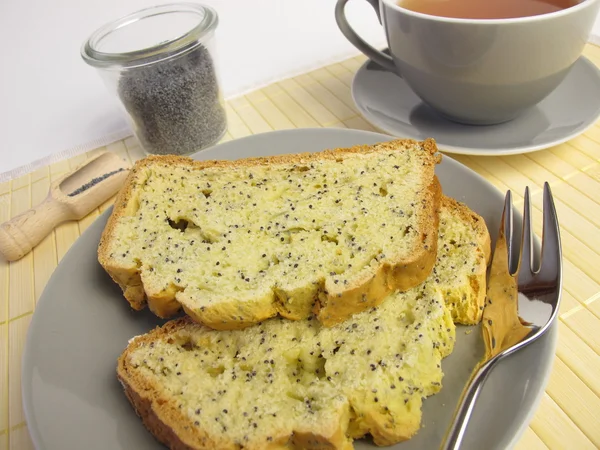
{"type": "Point", "coordinates": [475, 151]}
{"type": "Point", "coordinates": [27, 364]}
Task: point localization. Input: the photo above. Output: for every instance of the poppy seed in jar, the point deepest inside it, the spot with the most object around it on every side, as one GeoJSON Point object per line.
{"type": "Point", "coordinates": [175, 105]}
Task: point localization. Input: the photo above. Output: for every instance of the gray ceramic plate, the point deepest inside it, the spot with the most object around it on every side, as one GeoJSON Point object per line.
{"type": "Point", "coordinates": [82, 324]}
{"type": "Point", "coordinates": [389, 104]}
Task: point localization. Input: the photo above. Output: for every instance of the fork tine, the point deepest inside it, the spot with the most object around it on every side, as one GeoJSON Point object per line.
{"type": "Point", "coordinates": [551, 261]}
{"type": "Point", "coordinates": [525, 263]}
{"type": "Point", "coordinates": [506, 229]}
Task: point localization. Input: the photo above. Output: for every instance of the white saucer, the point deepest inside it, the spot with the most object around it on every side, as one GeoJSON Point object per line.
{"type": "Point", "coordinates": [389, 104]}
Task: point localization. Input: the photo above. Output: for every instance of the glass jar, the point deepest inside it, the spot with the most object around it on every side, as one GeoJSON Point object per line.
{"type": "Point", "coordinates": [160, 63]}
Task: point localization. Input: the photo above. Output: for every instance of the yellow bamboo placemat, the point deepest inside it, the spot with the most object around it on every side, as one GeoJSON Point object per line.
{"type": "Point", "coordinates": [569, 415]}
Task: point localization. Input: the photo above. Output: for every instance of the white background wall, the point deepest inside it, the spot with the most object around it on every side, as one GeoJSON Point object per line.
{"type": "Point", "coordinates": [51, 101]}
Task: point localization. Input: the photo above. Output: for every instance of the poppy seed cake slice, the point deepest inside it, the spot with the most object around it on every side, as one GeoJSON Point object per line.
{"type": "Point", "coordinates": [297, 384]}
{"type": "Point", "coordinates": [466, 243]}
{"type": "Point", "coordinates": [238, 242]}
{"type": "Point", "coordinates": [291, 383]}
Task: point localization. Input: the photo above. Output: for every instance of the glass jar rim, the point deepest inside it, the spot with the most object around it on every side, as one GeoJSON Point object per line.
{"type": "Point", "coordinates": [162, 51]}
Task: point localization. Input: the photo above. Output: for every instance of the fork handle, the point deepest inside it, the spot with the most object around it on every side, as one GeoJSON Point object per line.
{"type": "Point", "coordinates": [456, 431]}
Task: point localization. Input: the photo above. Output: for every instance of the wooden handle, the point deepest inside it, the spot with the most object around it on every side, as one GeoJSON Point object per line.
{"type": "Point", "coordinates": [19, 235]}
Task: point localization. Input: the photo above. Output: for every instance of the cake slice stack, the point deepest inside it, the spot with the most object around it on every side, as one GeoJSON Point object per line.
{"type": "Point", "coordinates": [321, 292]}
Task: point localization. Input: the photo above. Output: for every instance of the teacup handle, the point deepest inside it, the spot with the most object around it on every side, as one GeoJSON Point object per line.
{"type": "Point", "coordinates": [375, 55]}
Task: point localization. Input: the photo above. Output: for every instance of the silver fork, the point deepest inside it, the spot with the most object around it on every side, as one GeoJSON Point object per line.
{"type": "Point", "coordinates": [536, 290]}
